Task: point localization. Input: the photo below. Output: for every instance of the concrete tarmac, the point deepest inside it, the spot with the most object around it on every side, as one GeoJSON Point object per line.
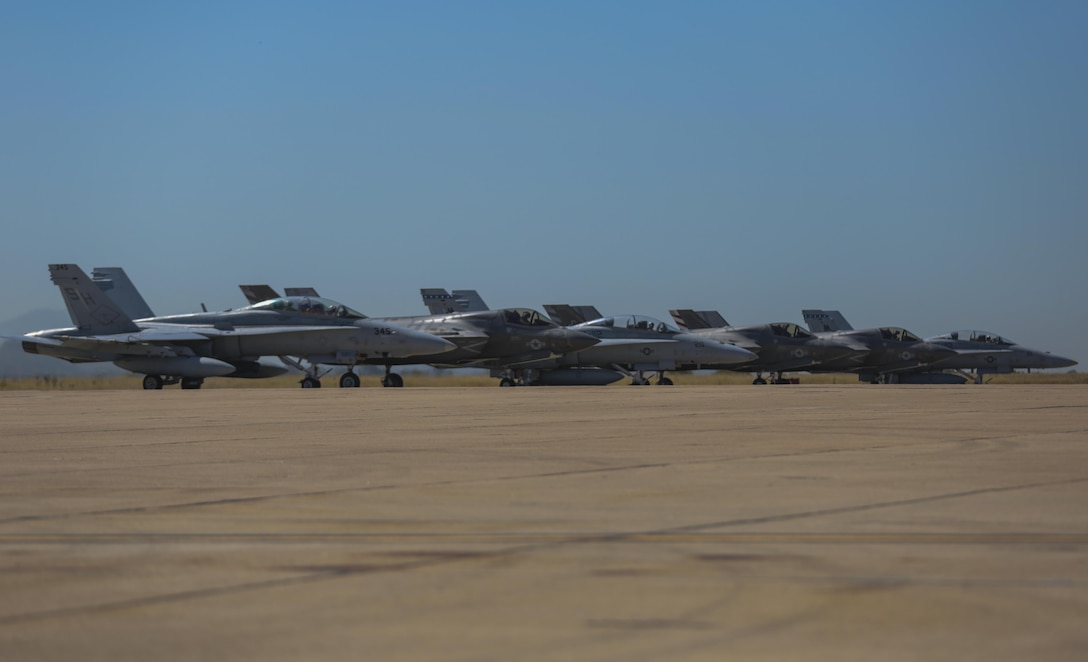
{"type": "Point", "coordinates": [644, 523]}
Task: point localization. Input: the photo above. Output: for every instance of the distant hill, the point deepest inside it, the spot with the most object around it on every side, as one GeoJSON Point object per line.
{"type": "Point", "coordinates": [14, 362]}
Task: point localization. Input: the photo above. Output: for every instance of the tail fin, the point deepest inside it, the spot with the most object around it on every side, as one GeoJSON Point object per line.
{"type": "Point", "coordinates": [689, 319]}
{"type": "Point", "coordinates": [563, 314]}
{"type": "Point", "coordinates": [89, 307]}
{"type": "Point", "coordinates": [439, 301]}
{"type": "Point", "coordinates": [300, 292]}
{"type": "Point", "coordinates": [470, 300]}
{"type": "Point", "coordinates": [567, 315]}
{"type": "Point", "coordinates": [820, 321]}
{"type": "Point", "coordinates": [258, 293]}
{"type": "Point", "coordinates": [117, 286]}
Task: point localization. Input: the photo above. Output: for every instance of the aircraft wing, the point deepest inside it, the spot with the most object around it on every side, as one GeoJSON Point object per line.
{"type": "Point", "coordinates": [94, 348]}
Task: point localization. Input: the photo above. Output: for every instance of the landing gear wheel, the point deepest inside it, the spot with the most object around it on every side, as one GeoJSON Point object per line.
{"type": "Point", "coordinates": [393, 380]}
{"type": "Point", "coordinates": [349, 380]}
{"type": "Point", "coordinates": [188, 383]}
{"type": "Point", "coordinates": [311, 382]}
{"type": "Point", "coordinates": [506, 381]}
{"type": "Point", "coordinates": [759, 381]}
{"type": "Point", "coordinates": [664, 381]}
{"type": "Point", "coordinates": [152, 383]}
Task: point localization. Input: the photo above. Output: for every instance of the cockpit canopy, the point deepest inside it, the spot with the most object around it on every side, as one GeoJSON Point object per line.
{"type": "Point", "coordinates": [527, 317]}
{"type": "Point", "coordinates": [977, 336]}
{"type": "Point", "coordinates": [636, 322]}
{"type": "Point", "coordinates": [789, 330]}
{"type": "Point", "coordinates": [897, 334]}
{"type": "Point", "coordinates": [317, 306]}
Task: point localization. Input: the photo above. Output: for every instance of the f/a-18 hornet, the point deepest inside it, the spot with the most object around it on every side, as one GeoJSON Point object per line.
{"type": "Point", "coordinates": [893, 351]}
{"type": "Point", "coordinates": [634, 345]}
{"type": "Point", "coordinates": [189, 348]}
{"type": "Point", "coordinates": [630, 345]}
{"type": "Point", "coordinates": [507, 342]}
{"type": "Point", "coordinates": [779, 346]}
{"type": "Point", "coordinates": [978, 353]}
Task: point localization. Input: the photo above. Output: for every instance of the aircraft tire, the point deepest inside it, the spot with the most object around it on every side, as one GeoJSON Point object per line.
{"type": "Point", "coordinates": [759, 381]}
{"type": "Point", "coordinates": [189, 383]}
{"type": "Point", "coordinates": [349, 380]}
{"type": "Point", "coordinates": [152, 383]}
{"type": "Point", "coordinates": [664, 381]}
{"type": "Point", "coordinates": [310, 382]}
{"type": "Point", "coordinates": [393, 380]}
{"type": "Point", "coordinates": [506, 381]}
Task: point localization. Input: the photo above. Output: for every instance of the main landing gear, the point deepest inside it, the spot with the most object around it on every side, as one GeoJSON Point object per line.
{"type": "Point", "coordinates": [776, 378]}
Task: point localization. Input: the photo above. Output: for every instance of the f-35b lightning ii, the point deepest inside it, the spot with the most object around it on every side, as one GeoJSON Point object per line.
{"type": "Point", "coordinates": [779, 346]}
{"type": "Point", "coordinates": [977, 354]}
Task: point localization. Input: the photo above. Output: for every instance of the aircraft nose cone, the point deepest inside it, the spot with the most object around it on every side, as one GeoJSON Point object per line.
{"type": "Point", "coordinates": [930, 352]}
{"type": "Point", "coordinates": [714, 352]}
{"type": "Point", "coordinates": [1055, 361]}
{"type": "Point", "coordinates": [418, 343]}
{"type": "Point", "coordinates": [576, 341]}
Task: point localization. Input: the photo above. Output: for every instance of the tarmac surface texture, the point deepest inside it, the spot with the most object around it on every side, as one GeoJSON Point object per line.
{"type": "Point", "coordinates": [685, 523]}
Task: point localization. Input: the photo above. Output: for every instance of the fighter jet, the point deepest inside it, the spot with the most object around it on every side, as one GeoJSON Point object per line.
{"type": "Point", "coordinates": [978, 353]}
{"type": "Point", "coordinates": [506, 341]}
{"type": "Point", "coordinates": [189, 348]}
{"type": "Point", "coordinates": [984, 353]}
{"type": "Point", "coordinates": [779, 346]}
{"type": "Point", "coordinates": [630, 345]}
{"type": "Point", "coordinates": [633, 345]}
{"type": "Point", "coordinates": [893, 351]}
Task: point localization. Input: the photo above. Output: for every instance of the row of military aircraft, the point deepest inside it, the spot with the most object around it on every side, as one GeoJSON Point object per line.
{"type": "Point", "coordinates": [572, 345]}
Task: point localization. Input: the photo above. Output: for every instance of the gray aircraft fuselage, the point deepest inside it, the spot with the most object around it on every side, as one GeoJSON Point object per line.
{"type": "Point", "coordinates": [891, 350]}
{"type": "Point", "coordinates": [650, 345]}
{"type": "Point", "coordinates": [784, 346]}
{"type": "Point", "coordinates": [989, 353]}
{"type": "Point", "coordinates": [495, 338]}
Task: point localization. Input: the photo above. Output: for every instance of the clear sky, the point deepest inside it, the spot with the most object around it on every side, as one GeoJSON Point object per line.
{"type": "Point", "coordinates": [921, 164]}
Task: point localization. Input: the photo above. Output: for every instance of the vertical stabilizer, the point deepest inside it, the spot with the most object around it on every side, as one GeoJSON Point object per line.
{"type": "Point", "coordinates": [258, 293]}
{"type": "Point", "coordinates": [687, 319]}
{"type": "Point", "coordinates": [470, 301]}
{"type": "Point", "coordinates": [823, 321]}
{"type": "Point", "coordinates": [713, 319]}
{"type": "Point", "coordinates": [563, 314]}
{"type": "Point", "coordinates": [88, 306]}
{"type": "Point", "coordinates": [300, 292]}
{"type": "Point", "coordinates": [439, 301]}
{"type": "Point", "coordinates": [117, 286]}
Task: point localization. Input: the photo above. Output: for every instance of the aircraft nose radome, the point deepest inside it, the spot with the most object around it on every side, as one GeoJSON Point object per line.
{"type": "Point", "coordinates": [1055, 361]}
{"type": "Point", "coordinates": [417, 343]}
{"type": "Point", "coordinates": [577, 341]}
{"type": "Point", "coordinates": [720, 352]}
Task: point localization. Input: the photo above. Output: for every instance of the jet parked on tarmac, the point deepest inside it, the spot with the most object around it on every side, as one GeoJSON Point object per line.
{"type": "Point", "coordinates": [779, 346]}
{"type": "Point", "coordinates": [893, 351]}
{"type": "Point", "coordinates": [630, 345]}
{"type": "Point", "coordinates": [978, 353]}
{"type": "Point", "coordinates": [189, 348]}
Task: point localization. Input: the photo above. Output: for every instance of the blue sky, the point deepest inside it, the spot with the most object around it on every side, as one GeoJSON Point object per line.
{"type": "Point", "coordinates": [920, 164]}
